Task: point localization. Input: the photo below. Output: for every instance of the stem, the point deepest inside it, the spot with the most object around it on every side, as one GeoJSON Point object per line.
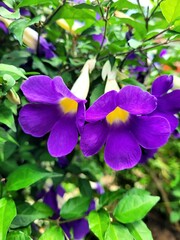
{"type": "Point", "coordinates": [141, 9]}
{"type": "Point", "coordinates": [105, 26]}
{"type": "Point", "coordinates": [161, 190]}
{"type": "Point", "coordinates": [157, 34]}
{"type": "Point", "coordinates": [55, 11]}
{"type": "Point", "coordinates": [70, 220]}
{"type": "Point", "coordinates": [38, 40]}
{"type": "Point", "coordinates": [154, 10]}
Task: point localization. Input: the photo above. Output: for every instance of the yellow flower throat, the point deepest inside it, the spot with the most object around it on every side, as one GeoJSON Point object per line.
{"type": "Point", "coordinates": [117, 115]}
{"type": "Point", "coordinates": [68, 105]}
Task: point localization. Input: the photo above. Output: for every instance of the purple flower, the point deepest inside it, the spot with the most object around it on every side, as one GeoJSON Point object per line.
{"type": "Point", "coordinates": [163, 53]}
{"type": "Point", "coordinates": [79, 227]}
{"type": "Point", "coordinates": [98, 38]}
{"type": "Point", "coordinates": [50, 198]}
{"type": "Point", "coordinates": [46, 49]}
{"type": "Point", "coordinates": [168, 103]}
{"type": "Point", "coordinates": [116, 120]}
{"type": "Point", "coordinates": [63, 161]}
{"type": "Point", "coordinates": [53, 108]}
{"type": "Point", "coordinates": [3, 27]}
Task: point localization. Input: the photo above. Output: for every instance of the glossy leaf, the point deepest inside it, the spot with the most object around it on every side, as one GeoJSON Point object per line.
{"type": "Point", "coordinates": [170, 10]}
{"type": "Point", "coordinates": [53, 233]}
{"type": "Point", "coordinates": [75, 208]}
{"type": "Point", "coordinates": [25, 176]}
{"type": "Point", "coordinates": [134, 206]}
{"type": "Point", "coordinates": [139, 231]}
{"type": "Point", "coordinates": [7, 214]}
{"type": "Point", "coordinates": [18, 235]}
{"type": "Point", "coordinates": [99, 222]}
{"type": "Point", "coordinates": [27, 214]}
{"type": "Point", "coordinates": [15, 72]}
{"type": "Point", "coordinates": [117, 231]}
{"type": "Point", "coordinates": [6, 117]}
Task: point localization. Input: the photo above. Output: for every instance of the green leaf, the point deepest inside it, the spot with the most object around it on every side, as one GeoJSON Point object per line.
{"type": "Point", "coordinates": [85, 187]}
{"type": "Point", "coordinates": [27, 214]}
{"type": "Point", "coordinates": [6, 117]}
{"type": "Point", "coordinates": [18, 235]}
{"type": "Point", "coordinates": [53, 233]}
{"type": "Point", "coordinates": [75, 207]}
{"type": "Point", "coordinates": [25, 176]}
{"type": "Point", "coordinates": [139, 231]}
{"type": "Point", "coordinates": [26, 3]}
{"type": "Point", "coordinates": [117, 231]}
{"type": "Point", "coordinates": [15, 72]}
{"type": "Point", "coordinates": [17, 27]}
{"type": "Point", "coordinates": [99, 222]}
{"type": "Point", "coordinates": [131, 81]}
{"type": "Point", "coordinates": [7, 14]}
{"type": "Point", "coordinates": [170, 10]}
{"type": "Point", "coordinates": [97, 92]}
{"type": "Point", "coordinates": [37, 64]}
{"type": "Point", "coordinates": [134, 43]}
{"type": "Point", "coordinates": [7, 214]}
{"type": "Point", "coordinates": [134, 206]}
{"type": "Point", "coordinates": [109, 197]}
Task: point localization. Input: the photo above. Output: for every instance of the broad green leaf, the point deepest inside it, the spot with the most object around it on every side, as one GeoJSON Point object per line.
{"type": "Point", "coordinates": [26, 3]}
{"type": "Point", "coordinates": [15, 72]}
{"type": "Point", "coordinates": [134, 43]}
{"type": "Point", "coordinates": [5, 136]}
{"type": "Point", "coordinates": [6, 117]}
{"type": "Point", "coordinates": [37, 64]}
{"type": "Point", "coordinates": [7, 14]}
{"type": "Point", "coordinates": [139, 231]}
{"type": "Point", "coordinates": [109, 197]}
{"type": "Point", "coordinates": [7, 214]}
{"type": "Point", "coordinates": [98, 223]}
{"type": "Point", "coordinates": [27, 214]}
{"type": "Point", "coordinates": [170, 10]}
{"type": "Point", "coordinates": [131, 81]}
{"type": "Point", "coordinates": [75, 207]}
{"type": "Point", "coordinates": [117, 231]}
{"type": "Point", "coordinates": [134, 206]}
{"type": "Point", "coordinates": [17, 27]}
{"type": "Point", "coordinates": [85, 187]}
{"type": "Point", "coordinates": [25, 176]}
{"type": "Point", "coordinates": [53, 233]}
{"type": "Point", "coordinates": [96, 92]}
{"type": "Point", "coordinates": [18, 235]}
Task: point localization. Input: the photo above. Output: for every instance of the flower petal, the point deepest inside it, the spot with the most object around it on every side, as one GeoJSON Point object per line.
{"type": "Point", "coordinates": [80, 116]}
{"type": "Point", "coordinates": [170, 102]}
{"type": "Point", "coordinates": [102, 106]}
{"type": "Point", "coordinates": [161, 85]}
{"type": "Point", "coordinates": [173, 121]}
{"type": "Point", "coordinates": [136, 101]}
{"type": "Point", "coordinates": [147, 154]}
{"type": "Point", "coordinates": [63, 137]}
{"type": "Point", "coordinates": [40, 89]}
{"type": "Point", "coordinates": [61, 88]}
{"type": "Point", "coordinates": [122, 150]}
{"type": "Point", "coordinates": [80, 228]}
{"type": "Point", "coordinates": [151, 132]}
{"type": "Point", "coordinates": [38, 119]}
{"type": "Point", "coordinates": [93, 137]}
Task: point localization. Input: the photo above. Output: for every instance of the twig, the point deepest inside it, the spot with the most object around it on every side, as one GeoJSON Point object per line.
{"type": "Point", "coordinates": [154, 10]}
{"type": "Point", "coordinates": [55, 11]}
{"type": "Point", "coordinates": [161, 190]}
{"type": "Point", "coordinates": [105, 27]}
{"type": "Point", "coordinates": [157, 34]}
{"type": "Point", "coordinates": [140, 7]}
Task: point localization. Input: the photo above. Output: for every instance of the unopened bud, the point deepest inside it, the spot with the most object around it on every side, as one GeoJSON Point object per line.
{"type": "Point", "coordinates": [13, 97]}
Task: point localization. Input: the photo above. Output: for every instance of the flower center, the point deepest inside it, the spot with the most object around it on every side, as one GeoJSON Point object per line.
{"type": "Point", "coordinates": [68, 105]}
{"type": "Point", "coordinates": [117, 115]}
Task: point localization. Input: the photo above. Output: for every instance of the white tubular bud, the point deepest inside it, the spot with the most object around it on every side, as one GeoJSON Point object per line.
{"type": "Point", "coordinates": [110, 74]}
{"type": "Point", "coordinates": [176, 82]}
{"type": "Point", "coordinates": [6, 21]}
{"type": "Point", "coordinates": [30, 38]}
{"type": "Point", "coordinates": [81, 86]}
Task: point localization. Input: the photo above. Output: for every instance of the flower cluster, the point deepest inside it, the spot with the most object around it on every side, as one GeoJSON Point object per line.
{"type": "Point", "coordinates": [130, 123]}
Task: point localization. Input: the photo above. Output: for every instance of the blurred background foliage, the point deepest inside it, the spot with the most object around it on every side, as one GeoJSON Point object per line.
{"type": "Point", "coordinates": [142, 41]}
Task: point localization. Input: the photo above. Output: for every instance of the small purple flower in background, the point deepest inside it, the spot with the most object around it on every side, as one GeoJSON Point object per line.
{"type": "Point", "coordinates": [99, 38]}
{"type": "Point", "coordinates": [168, 105]}
{"type": "Point", "coordinates": [116, 120]}
{"type": "Point", "coordinates": [54, 108]}
{"type": "Point", "coordinates": [52, 198]}
{"type": "Point", "coordinates": [163, 53]}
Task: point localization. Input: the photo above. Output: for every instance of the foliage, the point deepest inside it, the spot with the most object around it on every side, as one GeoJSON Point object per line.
{"type": "Point", "coordinates": [45, 197]}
